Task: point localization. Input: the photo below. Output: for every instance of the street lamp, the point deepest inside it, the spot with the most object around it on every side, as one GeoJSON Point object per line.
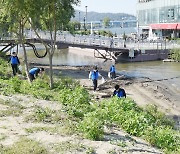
{"type": "Point", "coordinates": [84, 23]}
{"type": "Point", "coordinates": [79, 21]}
{"type": "Point", "coordinates": [86, 15]}
{"type": "Point", "coordinates": [122, 24]}
{"type": "Point", "coordinates": [79, 16]}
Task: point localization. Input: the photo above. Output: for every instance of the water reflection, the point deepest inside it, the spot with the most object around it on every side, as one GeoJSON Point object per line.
{"type": "Point", "coordinates": [72, 57]}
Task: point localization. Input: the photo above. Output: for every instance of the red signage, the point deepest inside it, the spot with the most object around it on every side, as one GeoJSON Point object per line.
{"type": "Point", "coordinates": [166, 26]}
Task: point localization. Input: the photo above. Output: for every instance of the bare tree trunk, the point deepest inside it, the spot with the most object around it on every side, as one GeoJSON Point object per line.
{"type": "Point", "coordinates": [50, 69]}
{"type": "Point", "coordinates": [21, 37]}
{"type": "Point", "coordinates": [26, 63]}
{"type": "Point", "coordinates": [51, 52]}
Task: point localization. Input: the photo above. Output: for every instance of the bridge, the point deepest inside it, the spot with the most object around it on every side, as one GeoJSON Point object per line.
{"type": "Point", "coordinates": [103, 46]}
{"type": "Point", "coordinates": [107, 48]}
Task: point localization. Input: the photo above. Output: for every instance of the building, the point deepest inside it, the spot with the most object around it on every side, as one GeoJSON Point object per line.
{"type": "Point", "coordinates": [159, 18]}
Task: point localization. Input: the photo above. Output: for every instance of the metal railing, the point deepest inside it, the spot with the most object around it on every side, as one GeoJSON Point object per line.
{"type": "Point", "coordinates": [94, 40]}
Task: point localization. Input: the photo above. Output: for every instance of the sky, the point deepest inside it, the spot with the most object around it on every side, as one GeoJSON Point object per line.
{"type": "Point", "coordinates": [109, 6]}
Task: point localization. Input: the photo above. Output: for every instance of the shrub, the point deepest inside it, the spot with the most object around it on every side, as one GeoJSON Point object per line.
{"type": "Point", "coordinates": [136, 121]}
{"type": "Point", "coordinates": [92, 126]}
{"type": "Point", "coordinates": [5, 70]}
{"type": "Point", "coordinates": [175, 54]}
{"type": "Point", "coordinates": [76, 100]}
{"type": "Point", "coordinates": [164, 138]}
{"type": "Point", "coordinates": [63, 83]}
{"type": "Point", "coordinates": [15, 84]}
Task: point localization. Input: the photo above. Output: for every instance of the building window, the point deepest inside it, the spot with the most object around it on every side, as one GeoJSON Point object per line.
{"type": "Point", "coordinates": [179, 13]}
{"type": "Point", "coordinates": [162, 15]}
{"type": "Point", "coordinates": [171, 14]}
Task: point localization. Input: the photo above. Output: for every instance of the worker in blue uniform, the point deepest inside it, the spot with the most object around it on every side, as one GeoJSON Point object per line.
{"type": "Point", "coordinates": [94, 75]}
{"type": "Point", "coordinates": [33, 73]}
{"type": "Point", "coordinates": [119, 92]}
{"type": "Point", "coordinates": [112, 72]}
{"type": "Point", "coordinates": [14, 60]}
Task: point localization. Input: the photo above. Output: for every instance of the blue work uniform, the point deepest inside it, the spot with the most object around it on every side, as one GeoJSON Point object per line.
{"type": "Point", "coordinates": [94, 76]}
{"type": "Point", "coordinates": [119, 93]}
{"type": "Point", "coordinates": [33, 73]}
{"type": "Point", "coordinates": [113, 72]}
{"type": "Point", "coordinates": [14, 60]}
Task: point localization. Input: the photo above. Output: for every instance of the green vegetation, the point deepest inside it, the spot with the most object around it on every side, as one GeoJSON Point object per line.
{"type": "Point", "coordinates": [149, 123]}
{"type": "Point", "coordinates": [104, 33]}
{"type": "Point", "coordinates": [24, 146]}
{"type": "Point", "coordinates": [92, 126]}
{"type": "Point", "coordinates": [67, 146]}
{"type": "Point", "coordinates": [35, 15]}
{"type": "Point", "coordinates": [2, 137]}
{"type": "Point", "coordinates": [175, 54]}
{"type": "Point", "coordinates": [106, 22]}
{"type": "Point", "coordinates": [10, 111]}
{"type": "Point", "coordinates": [13, 109]}
{"type": "Point", "coordinates": [4, 69]}
{"type": "Point", "coordinates": [66, 128]}
{"type": "Point", "coordinates": [90, 118]}
{"type": "Point", "coordinates": [119, 143]}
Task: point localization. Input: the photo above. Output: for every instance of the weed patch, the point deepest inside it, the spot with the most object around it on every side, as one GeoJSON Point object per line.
{"type": "Point", "coordinates": [45, 115]}
{"type": "Point", "coordinates": [66, 128]}
{"type": "Point", "coordinates": [72, 147]}
{"type": "Point", "coordinates": [24, 146]}
{"type": "Point", "coordinates": [10, 112]}
{"type": "Point", "coordinates": [2, 137]}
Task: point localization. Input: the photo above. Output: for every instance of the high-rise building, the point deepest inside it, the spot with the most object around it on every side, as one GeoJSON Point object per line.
{"type": "Point", "coordinates": [159, 18]}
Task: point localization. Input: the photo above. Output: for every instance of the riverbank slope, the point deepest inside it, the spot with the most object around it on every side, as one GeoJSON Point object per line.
{"type": "Point", "coordinates": [143, 91]}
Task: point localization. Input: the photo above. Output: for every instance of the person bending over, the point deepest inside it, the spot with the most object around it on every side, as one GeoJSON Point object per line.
{"type": "Point", "coordinates": [119, 92]}
{"type": "Point", "coordinates": [33, 73]}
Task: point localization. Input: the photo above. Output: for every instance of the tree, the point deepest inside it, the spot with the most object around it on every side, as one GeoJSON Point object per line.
{"type": "Point", "coordinates": [12, 13]}
{"type": "Point", "coordinates": [74, 26]}
{"type": "Point", "coordinates": [40, 14]}
{"type": "Point", "coordinates": [4, 26]}
{"type": "Point", "coordinates": [106, 22]}
{"type": "Point", "coordinates": [50, 15]}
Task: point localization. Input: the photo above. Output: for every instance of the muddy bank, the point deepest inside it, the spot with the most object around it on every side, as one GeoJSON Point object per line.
{"type": "Point", "coordinates": [157, 90]}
